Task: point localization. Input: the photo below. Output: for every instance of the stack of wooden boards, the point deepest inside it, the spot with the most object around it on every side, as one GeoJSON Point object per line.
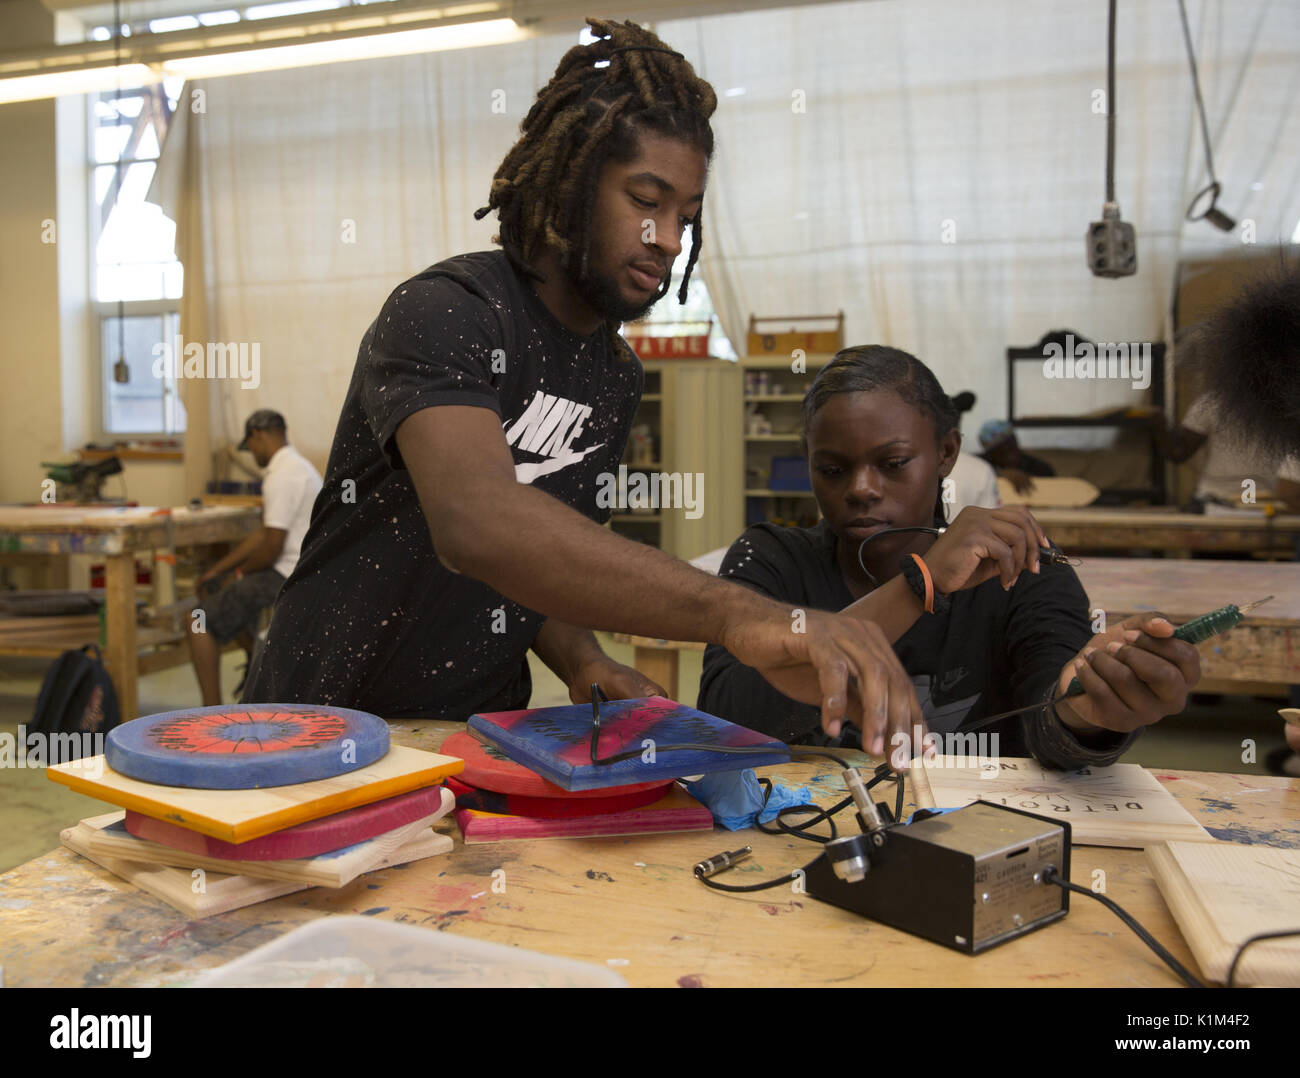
{"type": "Point", "coordinates": [228, 806]}
{"type": "Point", "coordinates": [498, 800]}
{"type": "Point", "coordinates": [531, 774]}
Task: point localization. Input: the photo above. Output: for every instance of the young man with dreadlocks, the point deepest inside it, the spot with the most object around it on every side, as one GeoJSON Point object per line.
{"type": "Point", "coordinates": [458, 525]}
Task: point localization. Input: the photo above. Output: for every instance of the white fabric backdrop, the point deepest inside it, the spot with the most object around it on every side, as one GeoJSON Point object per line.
{"type": "Point", "coordinates": [930, 111]}
{"type": "Point", "coordinates": [285, 167]}
{"type": "Point", "coordinates": [916, 114]}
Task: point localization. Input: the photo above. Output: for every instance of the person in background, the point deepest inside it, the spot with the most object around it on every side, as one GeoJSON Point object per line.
{"type": "Point", "coordinates": [1003, 452]}
{"type": "Point", "coordinates": [257, 567]}
{"type": "Point", "coordinates": [1230, 461]}
{"type": "Point", "coordinates": [973, 481]}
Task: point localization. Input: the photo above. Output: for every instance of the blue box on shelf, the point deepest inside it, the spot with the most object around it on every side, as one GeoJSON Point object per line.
{"type": "Point", "coordinates": [789, 473]}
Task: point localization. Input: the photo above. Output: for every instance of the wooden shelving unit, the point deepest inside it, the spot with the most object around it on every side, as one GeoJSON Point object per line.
{"type": "Point", "coordinates": [773, 392]}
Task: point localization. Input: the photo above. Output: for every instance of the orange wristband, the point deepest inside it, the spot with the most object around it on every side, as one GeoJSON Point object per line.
{"type": "Point", "coordinates": [929, 582]}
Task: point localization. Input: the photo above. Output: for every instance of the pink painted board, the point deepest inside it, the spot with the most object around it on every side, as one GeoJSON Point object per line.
{"type": "Point", "coordinates": [325, 835]}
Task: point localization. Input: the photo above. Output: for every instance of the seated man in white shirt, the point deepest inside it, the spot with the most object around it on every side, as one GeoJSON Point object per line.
{"type": "Point", "coordinates": [1229, 461]}
{"type": "Point", "coordinates": [263, 561]}
{"type": "Point", "coordinates": [973, 480]}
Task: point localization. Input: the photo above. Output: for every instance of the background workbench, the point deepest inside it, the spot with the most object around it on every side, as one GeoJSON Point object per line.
{"type": "Point", "coordinates": [1263, 651]}
{"type": "Point", "coordinates": [632, 904]}
{"type": "Point", "coordinates": [1165, 528]}
{"type": "Point", "coordinates": [117, 534]}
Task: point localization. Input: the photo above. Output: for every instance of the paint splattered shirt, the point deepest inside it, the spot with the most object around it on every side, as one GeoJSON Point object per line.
{"type": "Point", "coordinates": [370, 618]}
{"type": "Point", "coordinates": [993, 651]}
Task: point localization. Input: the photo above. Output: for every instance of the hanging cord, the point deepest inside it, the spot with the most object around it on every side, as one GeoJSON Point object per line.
{"type": "Point", "coordinates": [1110, 106]}
{"type": "Point", "coordinates": [1211, 212]}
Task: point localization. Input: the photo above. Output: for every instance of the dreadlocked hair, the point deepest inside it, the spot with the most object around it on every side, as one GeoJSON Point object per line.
{"type": "Point", "coordinates": [588, 115]}
{"type": "Point", "coordinates": [867, 368]}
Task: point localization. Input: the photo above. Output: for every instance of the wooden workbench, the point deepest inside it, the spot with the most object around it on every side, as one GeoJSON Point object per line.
{"type": "Point", "coordinates": [1165, 528]}
{"type": "Point", "coordinates": [117, 534]}
{"type": "Point", "coordinates": [1265, 648]}
{"type": "Point", "coordinates": [632, 904]}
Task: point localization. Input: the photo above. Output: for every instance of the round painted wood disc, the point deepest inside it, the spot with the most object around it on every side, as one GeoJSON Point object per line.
{"type": "Point", "coordinates": [309, 839]}
{"type": "Point", "coordinates": [488, 768]}
{"type": "Point", "coordinates": [552, 808]}
{"type": "Point", "coordinates": [246, 747]}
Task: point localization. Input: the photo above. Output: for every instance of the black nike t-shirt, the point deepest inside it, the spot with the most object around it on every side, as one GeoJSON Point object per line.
{"type": "Point", "coordinates": [994, 650]}
{"type": "Point", "coordinates": [370, 618]}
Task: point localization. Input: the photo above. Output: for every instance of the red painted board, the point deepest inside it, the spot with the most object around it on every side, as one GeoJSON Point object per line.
{"type": "Point", "coordinates": [487, 768]}
{"type": "Point", "coordinates": [470, 797]}
{"type": "Point", "coordinates": [676, 812]}
{"type": "Point", "coordinates": [325, 835]}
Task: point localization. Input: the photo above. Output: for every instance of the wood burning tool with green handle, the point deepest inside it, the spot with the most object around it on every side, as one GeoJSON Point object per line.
{"type": "Point", "coordinates": [1198, 630]}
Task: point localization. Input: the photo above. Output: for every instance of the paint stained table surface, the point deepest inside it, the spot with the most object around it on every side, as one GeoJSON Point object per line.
{"type": "Point", "coordinates": [632, 904]}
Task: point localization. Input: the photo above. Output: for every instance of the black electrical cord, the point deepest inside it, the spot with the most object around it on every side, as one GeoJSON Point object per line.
{"type": "Point", "coordinates": [751, 750]}
{"type": "Point", "coordinates": [1110, 106]}
{"type": "Point", "coordinates": [1051, 875]}
{"type": "Point", "coordinates": [1211, 212]}
{"type": "Point", "coordinates": [1232, 969]}
{"type": "Point", "coordinates": [890, 531]}
{"type": "Point", "coordinates": [798, 830]}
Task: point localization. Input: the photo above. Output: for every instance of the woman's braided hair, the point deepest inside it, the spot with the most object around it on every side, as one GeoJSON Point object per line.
{"type": "Point", "coordinates": [870, 368]}
{"type": "Point", "coordinates": [587, 115]}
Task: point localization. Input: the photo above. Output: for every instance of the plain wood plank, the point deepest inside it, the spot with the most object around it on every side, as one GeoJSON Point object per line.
{"type": "Point", "coordinates": [1225, 893]}
{"type": "Point", "coordinates": [209, 893]}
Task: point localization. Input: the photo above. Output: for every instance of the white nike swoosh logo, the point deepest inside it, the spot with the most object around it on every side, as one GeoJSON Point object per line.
{"type": "Point", "coordinates": [526, 473]}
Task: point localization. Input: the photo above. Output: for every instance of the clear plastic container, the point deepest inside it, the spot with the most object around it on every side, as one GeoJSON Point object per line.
{"type": "Point", "coordinates": [360, 952]}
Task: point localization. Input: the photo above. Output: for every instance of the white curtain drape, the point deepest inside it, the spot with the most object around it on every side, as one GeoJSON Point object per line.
{"type": "Point", "coordinates": [313, 193]}
{"type": "Point", "coordinates": [854, 141]}
{"type": "Point", "coordinates": [931, 168]}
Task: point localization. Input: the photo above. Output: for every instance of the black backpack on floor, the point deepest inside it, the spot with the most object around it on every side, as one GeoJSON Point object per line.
{"type": "Point", "coordinates": [76, 697]}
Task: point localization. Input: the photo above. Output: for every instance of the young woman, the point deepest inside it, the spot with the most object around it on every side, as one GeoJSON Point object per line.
{"type": "Point", "coordinates": [1009, 627]}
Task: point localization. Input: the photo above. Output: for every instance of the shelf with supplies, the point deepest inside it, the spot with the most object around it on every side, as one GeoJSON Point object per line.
{"type": "Point", "coordinates": [683, 447]}
{"type": "Point", "coordinates": [645, 452]}
{"type": "Point", "coordinates": [775, 378]}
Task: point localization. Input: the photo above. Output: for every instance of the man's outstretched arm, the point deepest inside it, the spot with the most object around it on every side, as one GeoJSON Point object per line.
{"type": "Point", "coordinates": [541, 553]}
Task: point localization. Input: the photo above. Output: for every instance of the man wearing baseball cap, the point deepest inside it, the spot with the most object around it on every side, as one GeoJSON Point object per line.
{"type": "Point", "coordinates": [1003, 451]}
{"type": "Point", "coordinates": [263, 561]}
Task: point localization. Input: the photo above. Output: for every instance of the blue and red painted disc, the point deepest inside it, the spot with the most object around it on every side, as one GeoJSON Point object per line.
{"type": "Point", "coordinates": [246, 747]}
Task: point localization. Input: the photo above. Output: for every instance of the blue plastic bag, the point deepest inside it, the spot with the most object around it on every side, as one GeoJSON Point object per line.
{"type": "Point", "coordinates": [735, 798]}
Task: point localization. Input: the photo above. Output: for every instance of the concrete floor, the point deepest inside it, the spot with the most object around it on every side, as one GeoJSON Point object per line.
{"type": "Point", "coordinates": [33, 810]}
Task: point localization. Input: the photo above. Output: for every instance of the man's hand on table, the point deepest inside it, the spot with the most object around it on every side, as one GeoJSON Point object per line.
{"type": "Point", "coordinates": [616, 680]}
{"type": "Point", "coordinates": [845, 665]}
